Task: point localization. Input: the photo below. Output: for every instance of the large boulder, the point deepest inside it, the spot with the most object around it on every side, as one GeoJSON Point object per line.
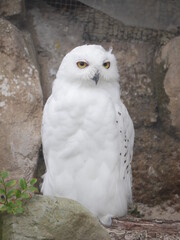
{"type": "Point", "coordinates": [53, 218]}
{"type": "Point", "coordinates": [167, 74]}
{"type": "Point", "coordinates": [20, 103]}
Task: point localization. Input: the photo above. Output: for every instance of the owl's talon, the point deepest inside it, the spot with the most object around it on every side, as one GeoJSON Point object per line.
{"type": "Point", "coordinates": [106, 220]}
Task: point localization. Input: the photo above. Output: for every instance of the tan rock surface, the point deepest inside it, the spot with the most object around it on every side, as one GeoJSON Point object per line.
{"type": "Point", "coordinates": [20, 104]}
{"type": "Point", "coordinates": [170, 56]}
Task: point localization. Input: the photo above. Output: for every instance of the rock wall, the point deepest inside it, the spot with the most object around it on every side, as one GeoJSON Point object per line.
{"type": "Point", "coordinates": [148, 61]}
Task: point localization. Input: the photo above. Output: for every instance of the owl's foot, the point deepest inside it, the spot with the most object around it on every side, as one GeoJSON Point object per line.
{"type": "Point", "coordinates": [106, 220]}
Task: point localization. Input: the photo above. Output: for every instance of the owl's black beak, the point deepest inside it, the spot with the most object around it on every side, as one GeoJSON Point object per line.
{"type": "Point", "coordinates": [96, 77]}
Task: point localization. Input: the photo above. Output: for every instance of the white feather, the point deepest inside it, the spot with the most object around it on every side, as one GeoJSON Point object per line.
{"type": "Point", "coordinates": [88, 135]}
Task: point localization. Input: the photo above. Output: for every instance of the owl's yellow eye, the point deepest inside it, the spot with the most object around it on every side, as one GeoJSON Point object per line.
{"type": "Point", "coordinates": [106, 65]}
{"type": "Point", "coordinates": [82, 64]}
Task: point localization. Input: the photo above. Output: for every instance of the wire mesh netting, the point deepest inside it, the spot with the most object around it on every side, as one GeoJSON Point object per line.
{"type": "Point", "coordinates": [97, 25]}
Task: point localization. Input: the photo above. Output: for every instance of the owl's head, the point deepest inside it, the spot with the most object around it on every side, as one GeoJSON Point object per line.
{"type": "Point", "coordinates": [89, 65]}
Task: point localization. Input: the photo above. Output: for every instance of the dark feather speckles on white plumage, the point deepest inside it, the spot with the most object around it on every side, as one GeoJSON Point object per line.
{"type": "Point", "coordinates": [124, 155]}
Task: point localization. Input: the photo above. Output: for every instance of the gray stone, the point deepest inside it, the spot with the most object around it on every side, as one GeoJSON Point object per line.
{"type": "Point", "coordinates": [51, 218]}
{"type": "Point", "coordinates": [20, 103]}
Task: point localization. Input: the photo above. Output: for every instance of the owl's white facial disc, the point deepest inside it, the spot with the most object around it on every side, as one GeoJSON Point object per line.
{"type": "Point", "coordinates": [89, 65]}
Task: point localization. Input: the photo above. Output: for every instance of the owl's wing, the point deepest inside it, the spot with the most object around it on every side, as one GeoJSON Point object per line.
{"type": "Point", "coordinates": [126, 141]}
{"type": "Point", "coordinates": [45, 128]}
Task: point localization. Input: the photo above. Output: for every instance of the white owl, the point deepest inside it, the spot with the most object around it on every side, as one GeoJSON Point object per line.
{"type": "Point", "coordinates": [88, 135]}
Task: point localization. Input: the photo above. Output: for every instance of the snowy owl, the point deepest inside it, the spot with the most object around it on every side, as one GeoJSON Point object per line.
{"type": "Point", "coordinates": [88, 135]}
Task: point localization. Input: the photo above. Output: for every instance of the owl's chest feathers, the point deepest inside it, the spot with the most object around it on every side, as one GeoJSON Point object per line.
{"type": "Point", "coordinates": [86, 111]}
{"type": "Point", "coordinates": [87, 103]}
